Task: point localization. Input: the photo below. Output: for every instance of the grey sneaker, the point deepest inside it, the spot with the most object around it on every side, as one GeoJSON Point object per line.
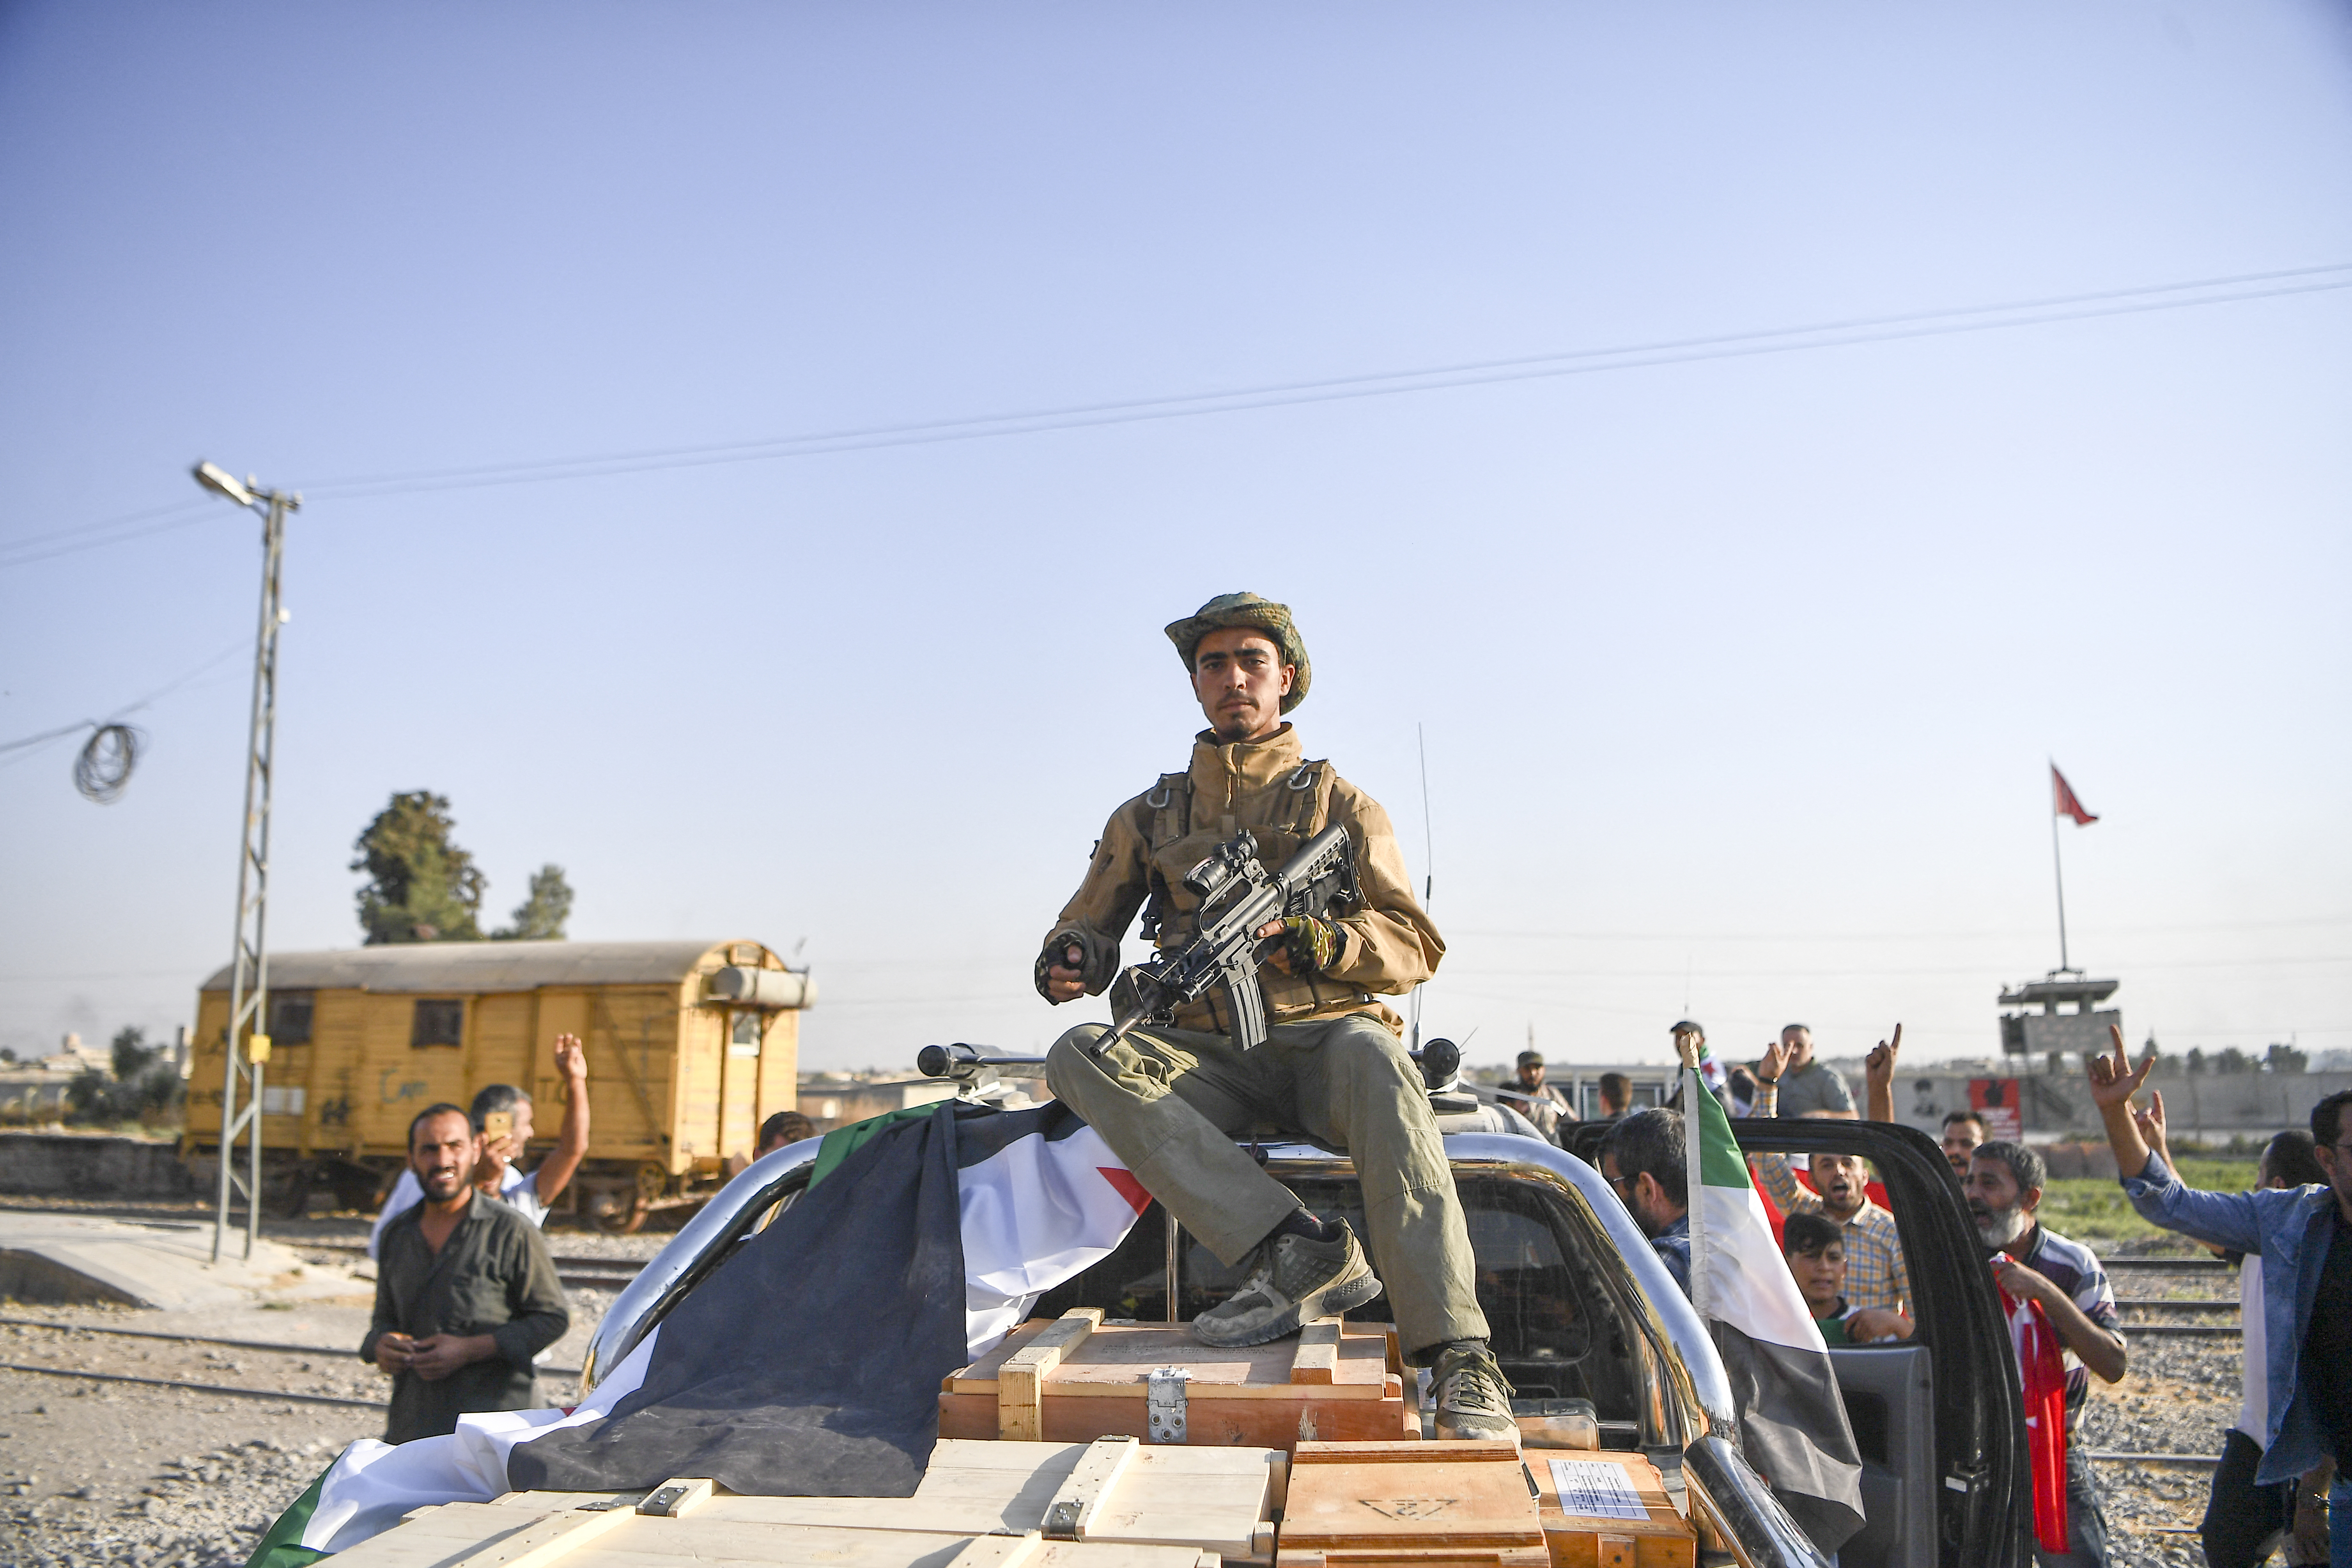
{"type": "Point", "coordinates": [1473, 1397]}
{"type": "Point", "coordinates": [1291, 1281]}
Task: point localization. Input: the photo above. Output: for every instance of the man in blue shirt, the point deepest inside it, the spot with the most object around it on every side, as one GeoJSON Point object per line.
{"type": "Point", "coordinates": [2304, 1236]}
{"type": "Point", "coordinates": [1643, 1161]}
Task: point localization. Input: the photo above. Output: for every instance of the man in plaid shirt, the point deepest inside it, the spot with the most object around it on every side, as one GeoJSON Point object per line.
{"type": "Point", "coordinates": [1874, 1271]}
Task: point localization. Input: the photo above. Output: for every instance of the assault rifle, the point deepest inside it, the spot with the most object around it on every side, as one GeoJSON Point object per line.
{"type": "Point", "coordinates": [1237, 896]}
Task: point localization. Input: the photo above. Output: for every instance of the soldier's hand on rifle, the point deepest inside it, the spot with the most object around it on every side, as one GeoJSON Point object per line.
{"type": "Point", "coordinates": [1312, 942]}
{"type": "Point", "coordinates": [1063, 982]}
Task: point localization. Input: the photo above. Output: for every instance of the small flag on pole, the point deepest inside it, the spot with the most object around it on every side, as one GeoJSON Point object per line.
{"type": "Point", "coordinates": [2064, 802]}
{"type": "Point", "coordinates": [1792, 1421]}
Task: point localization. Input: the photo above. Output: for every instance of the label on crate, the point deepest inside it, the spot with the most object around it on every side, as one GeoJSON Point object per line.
{"type": "Point", "coordinates": [1595, 1488]}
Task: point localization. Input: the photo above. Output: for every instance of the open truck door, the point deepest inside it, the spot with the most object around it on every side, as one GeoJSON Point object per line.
{"type": "Point", "coordinates": [1939, 1418]}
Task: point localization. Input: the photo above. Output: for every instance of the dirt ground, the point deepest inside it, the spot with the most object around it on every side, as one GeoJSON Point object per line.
{"type": "Point", "coordinates": [110, 1473]}
{"type": "Point", "coordinates": [118, 1474]}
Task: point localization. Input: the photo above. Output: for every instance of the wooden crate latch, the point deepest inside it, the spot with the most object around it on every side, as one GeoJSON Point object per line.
{"type": "Point", "coordinates": [1163, 1407]}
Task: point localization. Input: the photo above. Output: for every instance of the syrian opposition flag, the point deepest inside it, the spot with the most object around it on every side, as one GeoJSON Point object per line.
{"type": "Point", "coordinates": [809, 1364]}
{"type": "Point", "coordinates": [2063, 802]}
{"type": "Point", "coordinates": [1793, 1422]}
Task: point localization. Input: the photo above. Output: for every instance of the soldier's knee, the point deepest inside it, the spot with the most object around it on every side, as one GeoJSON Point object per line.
{"type": "Point", "coordinates": [1068, 1065]}
{"type": "Point", "coordinates": [1362, 1051]}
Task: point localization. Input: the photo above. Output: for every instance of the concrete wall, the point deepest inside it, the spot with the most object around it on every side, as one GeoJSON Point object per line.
{"type": "Point", "coordinates": [54, 1164]}
{"type": "Point", "coordinates": [2195, 1104]}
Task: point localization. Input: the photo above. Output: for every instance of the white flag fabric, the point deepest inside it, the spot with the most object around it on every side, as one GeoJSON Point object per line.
{"type": "Point", "coordinates": [1792, 1423]}
{"type": "Point", "coordinates": [1038, 1197]}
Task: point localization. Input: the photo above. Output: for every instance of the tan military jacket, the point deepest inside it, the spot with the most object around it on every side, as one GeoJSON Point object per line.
{"type": "Point", "coordinates": [1386, 945]}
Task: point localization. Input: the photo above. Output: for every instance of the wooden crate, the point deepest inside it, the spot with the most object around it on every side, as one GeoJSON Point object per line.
{"type": "Point", "coordinates": [1410, 1504]}
{"type": "Point", "coordinates": [1111, 1504]}
{"type": "Point", "coordinates": [1076, 1378]}
{"type": "Point", "coordinates": [1616, 1513]}
{"type": "Point", "coordinates": [489, 1535]}
{"type": "Point", "coordinates": [1122, 1491]}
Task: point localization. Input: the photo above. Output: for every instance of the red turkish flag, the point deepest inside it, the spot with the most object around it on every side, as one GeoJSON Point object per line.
{"type": "Point", "coordinates": [2063, 803]}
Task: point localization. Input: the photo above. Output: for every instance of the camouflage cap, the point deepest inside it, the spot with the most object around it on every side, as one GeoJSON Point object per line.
{"type": "Point", "coordinates": [1258, 613]}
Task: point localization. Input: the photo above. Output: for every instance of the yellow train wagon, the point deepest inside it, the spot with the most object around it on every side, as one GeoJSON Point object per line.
{"type": "Point", "coordinates": [691, 1045]}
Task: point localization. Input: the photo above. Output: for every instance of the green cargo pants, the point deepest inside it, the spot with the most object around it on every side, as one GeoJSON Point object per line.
{"type": "Point", "coordinates": [1170, 1102]}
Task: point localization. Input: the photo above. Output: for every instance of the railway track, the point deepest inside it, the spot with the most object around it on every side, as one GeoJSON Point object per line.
{"type": "Point", "coordinates": [575, 1272]}
{"type": "Point", "coordinates": [273, 1347]}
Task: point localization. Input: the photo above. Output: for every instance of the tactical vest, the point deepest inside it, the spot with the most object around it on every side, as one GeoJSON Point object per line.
{"type": "Point", "coordinates": [1178, 843]}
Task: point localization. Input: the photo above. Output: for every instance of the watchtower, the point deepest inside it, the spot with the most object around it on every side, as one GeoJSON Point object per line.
{"type": "Point", "coordinates": [2082, 1028]}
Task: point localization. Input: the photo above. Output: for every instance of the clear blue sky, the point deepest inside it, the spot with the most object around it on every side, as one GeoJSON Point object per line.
{"type": "Point", "coordinates": [1738, 675]}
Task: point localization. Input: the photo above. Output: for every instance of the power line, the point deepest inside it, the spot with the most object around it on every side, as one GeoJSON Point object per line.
{"type": "Point", "coordinates": [1382, 383]}
{"type": "Point", "coordinates": [93, 535]}
{"type": "Point", "coordinates": [30, 744]}
{"type": "Point", "coordinates": [2040, 311]}
{"type": "Point", "coordinates": [1522, 934]}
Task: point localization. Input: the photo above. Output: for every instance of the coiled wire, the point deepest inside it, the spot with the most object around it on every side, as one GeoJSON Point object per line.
{"type": "Point", "coordinates": [103, 769]}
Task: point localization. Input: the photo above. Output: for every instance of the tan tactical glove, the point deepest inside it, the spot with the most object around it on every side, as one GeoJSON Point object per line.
{"type": "Point", "coordinates": [1312, 941]}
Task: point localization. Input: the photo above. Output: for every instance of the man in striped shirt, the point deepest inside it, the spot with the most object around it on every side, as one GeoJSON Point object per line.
{"type": "Point", "coordinates": [1875, 1276]}
{"type": "Point", "coordinates": [2032, 1262]}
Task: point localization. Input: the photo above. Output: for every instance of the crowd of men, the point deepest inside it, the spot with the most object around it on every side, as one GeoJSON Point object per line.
{"type": "Point", "coordinates": [2290, 1238]}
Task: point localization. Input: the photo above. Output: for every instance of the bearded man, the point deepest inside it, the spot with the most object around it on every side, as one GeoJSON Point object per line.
{"type": "Point", "coordinates": [2030, 1262]}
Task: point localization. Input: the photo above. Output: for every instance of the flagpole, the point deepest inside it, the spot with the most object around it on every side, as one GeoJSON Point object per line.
{"type": "Point", "coordinates": [1693, 1175]}
{"type": "Point", "coordinates": [2058, 866]}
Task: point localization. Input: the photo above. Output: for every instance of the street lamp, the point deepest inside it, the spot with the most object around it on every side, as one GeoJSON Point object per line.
{"type": "Point", "coordinates": [249, 994]}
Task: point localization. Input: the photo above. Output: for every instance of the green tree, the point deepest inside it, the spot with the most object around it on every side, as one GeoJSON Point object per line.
{"type": "Point", "coordinates": [132, 1054]}
{"type": "Point", "coordinates": [421, 886]}
{"type": "Point", "coordinates": [2286, 1059]}
{"type": "Point", "coordinates": [541, 917]}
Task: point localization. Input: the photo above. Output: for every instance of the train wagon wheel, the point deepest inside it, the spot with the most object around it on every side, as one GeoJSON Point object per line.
{"type": "Point", "coordinates": [286, 1194]}
{"type": "Point", "coordinates": [626, 1217]}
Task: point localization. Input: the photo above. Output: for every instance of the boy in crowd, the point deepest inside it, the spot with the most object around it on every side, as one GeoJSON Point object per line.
{"type": "Point", "coordinates": [1877, 1275]}
{"type": "Point", "coordinates": [1814, 1247]}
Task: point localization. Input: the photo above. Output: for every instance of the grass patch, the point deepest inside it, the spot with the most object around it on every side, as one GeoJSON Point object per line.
{"type": "Point", "coordinates": [2095, 1209]}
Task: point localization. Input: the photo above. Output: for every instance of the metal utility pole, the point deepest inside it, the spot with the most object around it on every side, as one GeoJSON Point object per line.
{"type": "Point", "coordinates": [249, 996]}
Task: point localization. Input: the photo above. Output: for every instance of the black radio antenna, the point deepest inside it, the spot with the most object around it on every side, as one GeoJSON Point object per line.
{"type": "Point", "coordinates": [1428, 859]}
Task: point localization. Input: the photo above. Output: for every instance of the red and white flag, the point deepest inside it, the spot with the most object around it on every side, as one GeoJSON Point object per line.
{"type": "Point", "coordinates": [2063, 802]}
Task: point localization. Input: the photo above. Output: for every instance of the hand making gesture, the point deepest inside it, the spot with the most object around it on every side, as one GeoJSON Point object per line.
{"type": "Point", "coordinates": [1773, 1062]}
{"type": "Point", "coordinates": [2114, 1080]}
{"type": "Point", "coordinates": [1878, 1078]}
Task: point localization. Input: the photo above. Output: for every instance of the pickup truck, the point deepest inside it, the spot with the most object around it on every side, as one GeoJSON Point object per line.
{"type": "Point", "coordinates": [1581, 1309]}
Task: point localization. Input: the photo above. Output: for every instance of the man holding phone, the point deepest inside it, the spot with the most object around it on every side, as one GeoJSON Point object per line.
{"type": "Point", "coordinates": [466, 1293]}
{"type": "Point", "coordinates": [502, 1116]}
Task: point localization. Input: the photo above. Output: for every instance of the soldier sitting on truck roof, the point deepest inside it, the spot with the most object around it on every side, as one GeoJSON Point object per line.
{"type": "Point", "coordinates": [532, 1194]}
{"type": "Point", "coordinates": [1171, 1101]}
